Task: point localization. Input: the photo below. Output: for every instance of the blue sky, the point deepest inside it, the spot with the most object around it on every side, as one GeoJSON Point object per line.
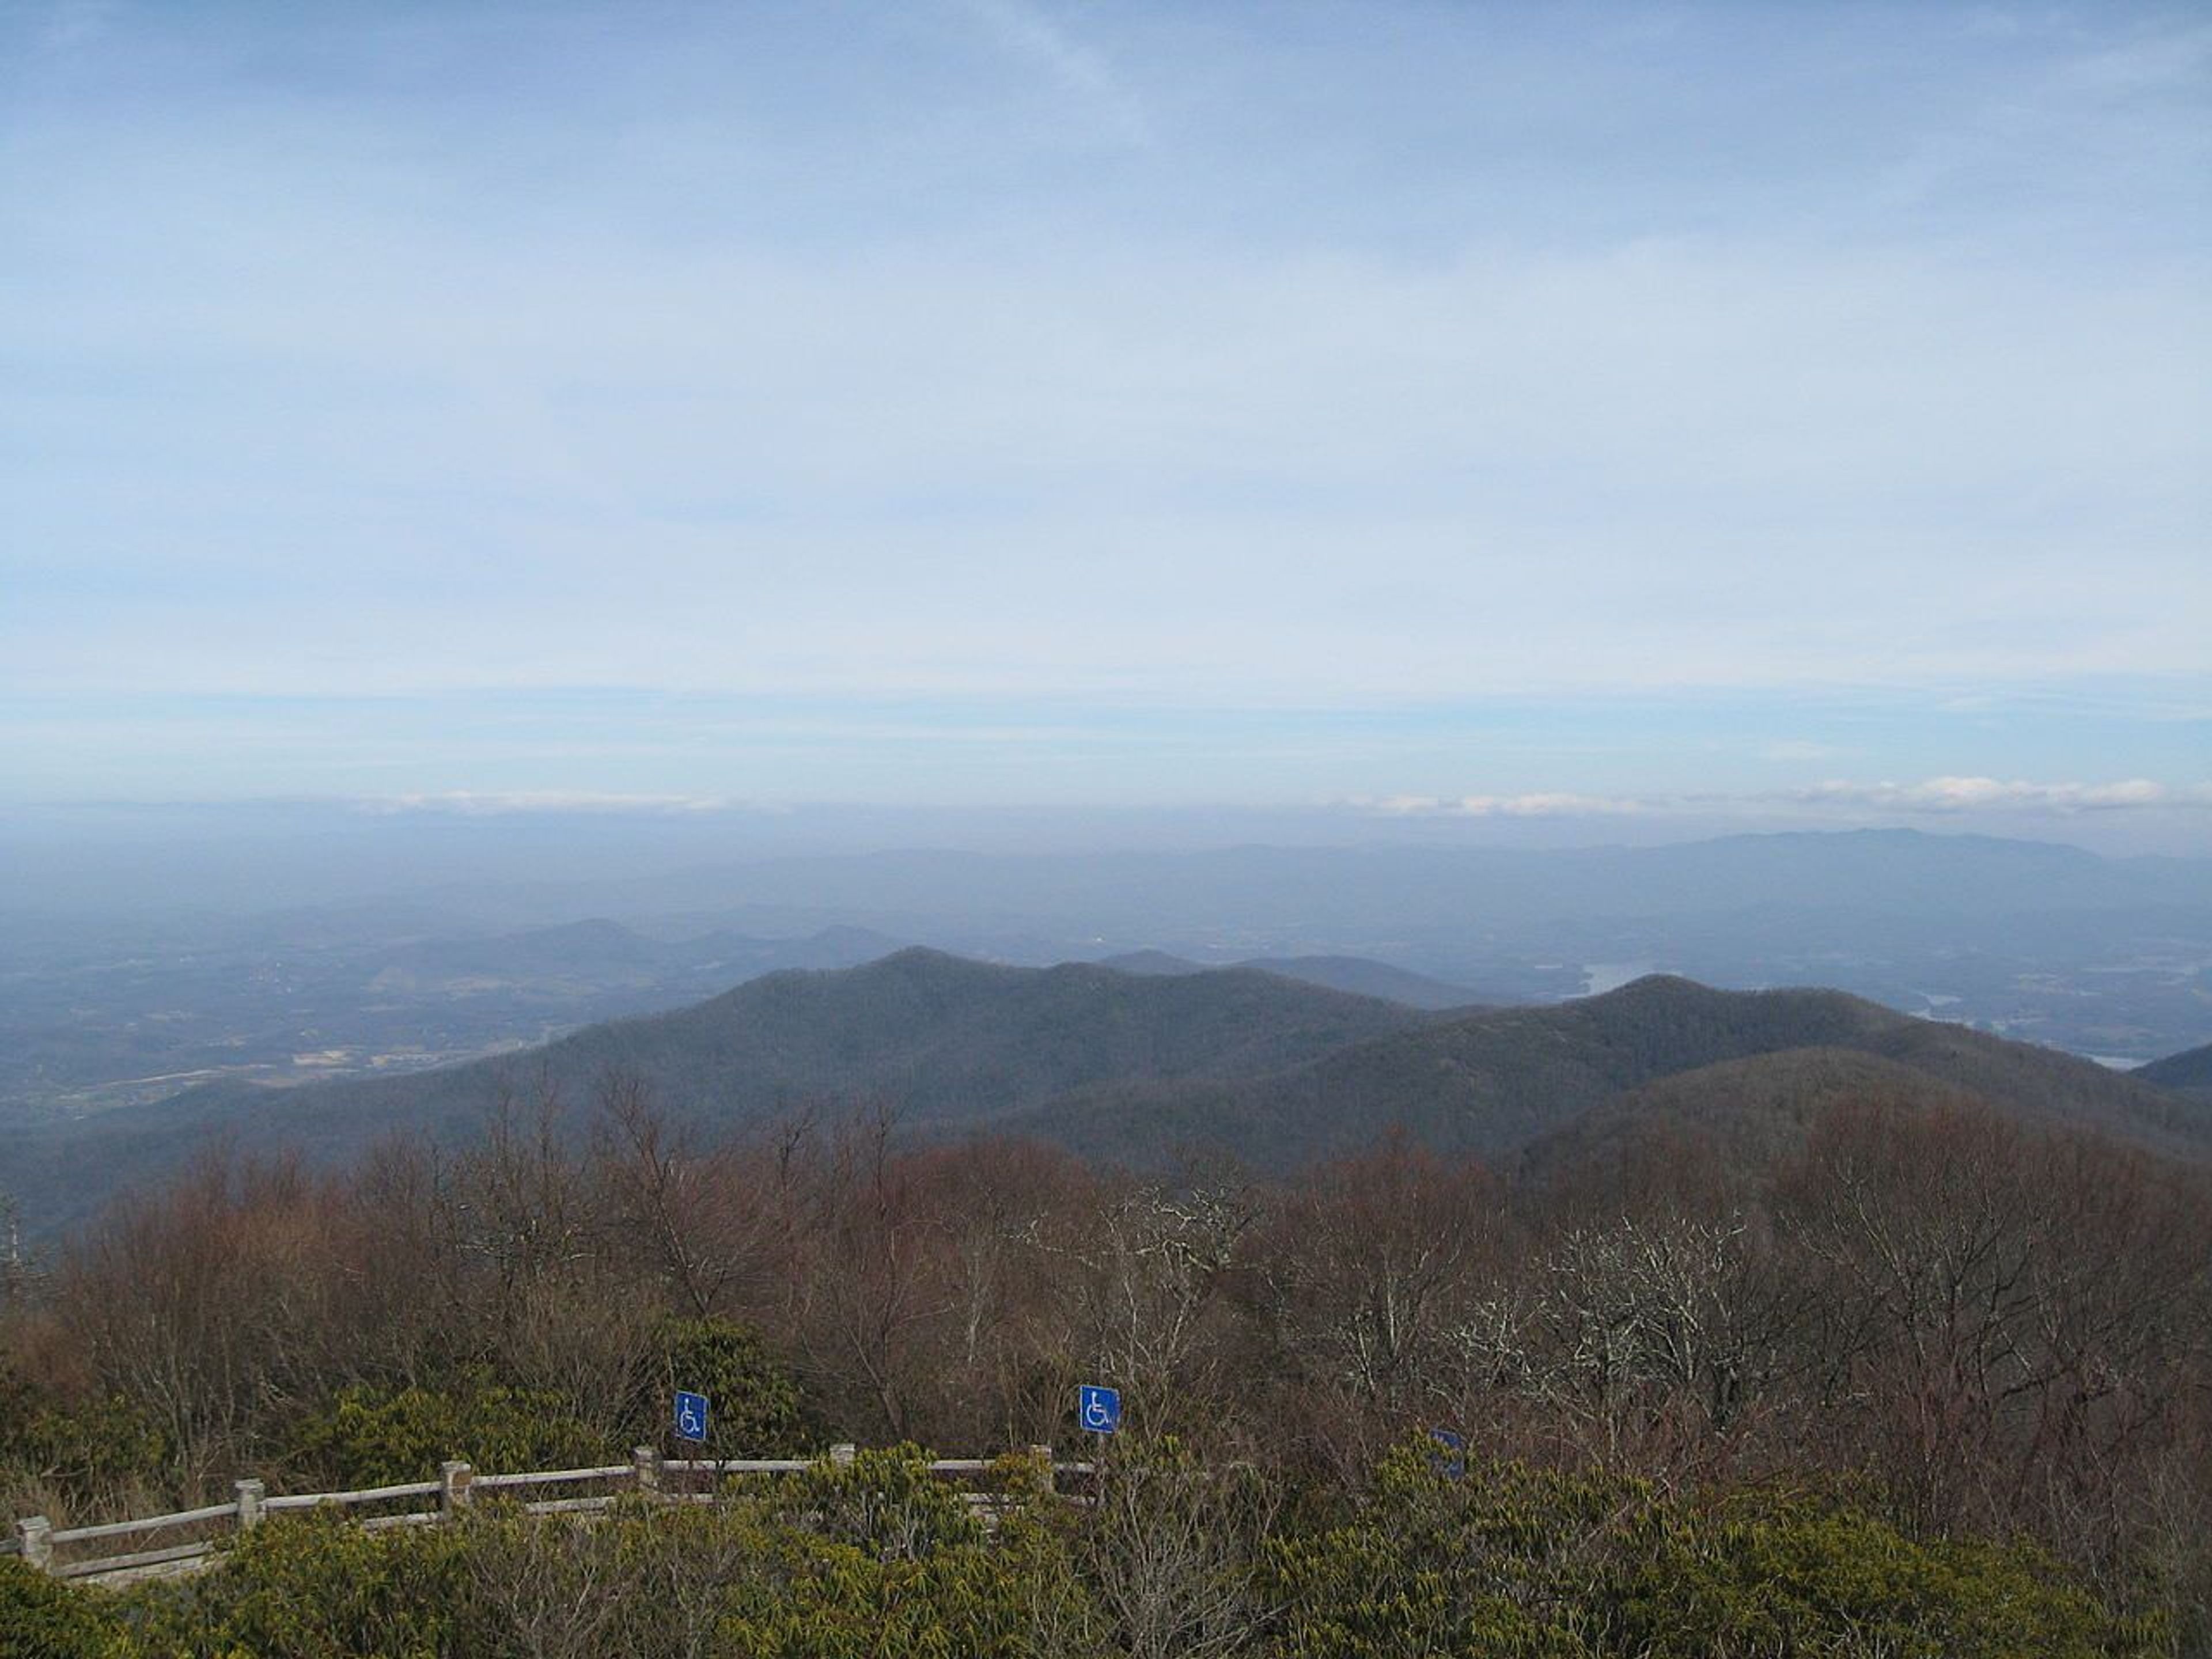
{"type": "Point", "coordinates": [1465, 409]}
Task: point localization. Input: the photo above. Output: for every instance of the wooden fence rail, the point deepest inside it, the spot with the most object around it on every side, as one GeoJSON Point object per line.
{"type": "Point", "coordinates": [50, 1549]}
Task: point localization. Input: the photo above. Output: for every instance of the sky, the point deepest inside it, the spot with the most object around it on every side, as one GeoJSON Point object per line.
{"type": "Point", "coordinates": [1474, 411]}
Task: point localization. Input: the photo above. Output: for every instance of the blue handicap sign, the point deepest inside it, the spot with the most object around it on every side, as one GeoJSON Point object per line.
{"type": "Point", "coordinates": [1098, 1409]}
{"type": "Point", "coordinates": [1450, 1458]}
{"type": "Point", "coordinates": [691, 1416]}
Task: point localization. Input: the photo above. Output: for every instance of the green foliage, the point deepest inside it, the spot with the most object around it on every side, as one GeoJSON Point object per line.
{"type": "Point", "coordinates": [316, 1587]}
{"type": "Point", "coordinates": [1761, 1576]}
{"type": "Point", "coordinates": [82, 1452]}
{"type": "Point", "coordinates": [823, 1599]}
{"type": "Point", "coordinates": [754, 1398]}
{"type": "Point", "coordinates": [42, 1618]}
{"type": "Point", "coordinates": [1515, 1562]}
{"type": "Point", "coordinates": [886, 1504]}
{"type": "Point", "coordinates": [379, 1437]}
{"type": "Point", "coordinates": [1495, 1564]}
{"type": "Point", "coordinates": [879, 1557]}
{"type": "Point", "coordinates": [370, 1435]}
{"type": "Point", "coordinates": [91, 1449]}
{"type": "Point", "coordinates": [875, 1558]}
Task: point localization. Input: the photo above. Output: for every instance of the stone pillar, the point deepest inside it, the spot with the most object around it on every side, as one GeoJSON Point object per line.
{"type": "Point", "coordinates": [842, 1455]}
{"type": "Point", "coordinates": [647, 1462]}
{"type": "Point", "coordinates": [1043, 1455]}
{"type": "Point", "coordinates": [38, 1544]}
{"type": "Point", "coordinates": [456, 1478]}
{"type": "Point", "coordinates": [250, 1494]}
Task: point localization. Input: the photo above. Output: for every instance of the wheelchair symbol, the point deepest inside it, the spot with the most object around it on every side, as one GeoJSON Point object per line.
{"type": "Point", "coordinates": [1098, 1409]}
{"type": "Point", "coordinates": [691, 1416]}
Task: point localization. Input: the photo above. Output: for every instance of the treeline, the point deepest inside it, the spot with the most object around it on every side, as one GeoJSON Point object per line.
{"type": "Point", "coordinates": [1934, 1327]}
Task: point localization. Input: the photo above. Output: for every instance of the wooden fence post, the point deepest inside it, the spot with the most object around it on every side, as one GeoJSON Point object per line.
{"type": "Point", "coordinates": [1043, 1454]}
{"type": "Point", "coordinates": [250, 1494]}
{"type": "Point", "coordinates": [38, 1546]}
{"type": "Point", "coordinates": [456, 1477]}
{"type": "Point", "coordinates": [647, 1460]}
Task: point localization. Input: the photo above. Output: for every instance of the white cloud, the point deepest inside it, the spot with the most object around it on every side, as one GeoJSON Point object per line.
{"type": "Point", "coordinates": [1540, 804]}
{"type": "Point", "coordinates": [1969, 795]}
{"type": "Point", "coordinates": [468, 803]}
{"type": "Point", "coordinates": [1945, 795]}
{"type": "Point", "coordinates": [1798, 749]}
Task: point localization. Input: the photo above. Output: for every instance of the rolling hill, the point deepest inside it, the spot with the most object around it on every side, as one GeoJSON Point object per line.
{"type": "Point", "coordinates": [944, 1038]}
{"type": "Point", "coordinates": [2190, 1071]}
{"type": "Point", "coordinates": [1496, 1083]}
{"type": "Point", "coordinates": [1139, 1068]}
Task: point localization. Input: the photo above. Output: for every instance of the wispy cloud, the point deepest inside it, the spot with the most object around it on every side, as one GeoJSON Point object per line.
{"type": "Point", "coordinates": [1541, 804]}
{"type": "Point", "coordinates": [1213, 362]}
{"type": "Point", "coordinates": [470, 803]}
{"type": "Point", "coordinates": [1080, 70]}
{"type": "Point", "coordinates": [1941, 795]}
{"type": "Point", "coordinates": [1970, 794]}
{"type": "Point", "coordinates": [1797, 749]}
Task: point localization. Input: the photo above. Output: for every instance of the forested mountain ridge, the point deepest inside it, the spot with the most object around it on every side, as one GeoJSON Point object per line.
{"type": "Point", "coordinates": [106, 1008]}
{"type": "Point", "coordinates": [1146, 1069]}
{"type": "Point", "coordinates": [1494, 1083]}
{"type": "Point", "coordinates": [1360, 975]}
{"type": "Point", "coordinates": [940, 1038]}
{"type": "Point", "coordinates": [2189, 1070]}
{"type": "Point", "coordinates": [1737, 1120]}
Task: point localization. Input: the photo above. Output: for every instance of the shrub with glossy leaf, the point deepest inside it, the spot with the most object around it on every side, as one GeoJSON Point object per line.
{"type": "Point", "coordinates": [754, 1398]}
{"type": "Point", "coordinates": [317, 1586]}
{"type": "Point", "coordinates": [881, 1558]}
{"type": "Point", "coordinates": [374, 1436]}
{"type": "Point", "coordinates": [884, 1504]}
{"type": "Point", "coordinates": [1513, 1562]}
{"type": "Point", "coordinates": [85, 1453]}
{"type": "Point", "coordinates": [1790, 1575]}
{"type": "Point", "coordinates": [42, 1618]}
{"type": "Point", "coordinates": [1497, 1564]}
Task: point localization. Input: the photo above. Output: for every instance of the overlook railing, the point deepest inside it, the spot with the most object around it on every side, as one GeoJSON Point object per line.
{"type": "Point", "coordinates": [56, 1549]}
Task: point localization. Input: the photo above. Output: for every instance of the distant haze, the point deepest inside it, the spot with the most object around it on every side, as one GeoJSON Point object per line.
{"type": "Point", "coordinates": [249, 857]}
{"type": "Point", "coordinates": [256, 942]}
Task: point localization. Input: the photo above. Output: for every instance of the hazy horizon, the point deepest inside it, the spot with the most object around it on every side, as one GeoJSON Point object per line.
{"type": "Point", "coordinates": [244, 857]}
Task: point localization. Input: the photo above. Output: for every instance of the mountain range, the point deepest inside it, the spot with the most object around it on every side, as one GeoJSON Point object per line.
{"type": "Point", "coordinates": [1144, 1069]}
{"type": "Point", "coordinates": [122, 1006]}
{"type": "Point", "coordinates": [1497, 1083]}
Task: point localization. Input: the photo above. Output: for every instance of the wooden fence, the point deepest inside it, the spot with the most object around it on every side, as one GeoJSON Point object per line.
{"type": "Point", "coordinates": [59, 1550]}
